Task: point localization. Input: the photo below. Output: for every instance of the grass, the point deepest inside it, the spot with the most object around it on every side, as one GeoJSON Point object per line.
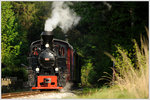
{"type": "Point", "coordinates": [131, 78]}
{"type": "Point", "coordinates": [134, 77]}
{"type": "Point", "coordinates": [107, 93]}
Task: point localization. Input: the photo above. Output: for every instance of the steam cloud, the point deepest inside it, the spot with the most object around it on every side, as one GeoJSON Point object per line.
{"type": "Point", "coordinates": [67, 87]}
{"type": "Point", "coordinates": [108, 5]}
{"type": "Point", "coordinates": [62, 16]}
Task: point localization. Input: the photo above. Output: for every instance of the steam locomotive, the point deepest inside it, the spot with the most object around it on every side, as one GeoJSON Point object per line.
{"type": "Point", "coordinates": [53, 63]}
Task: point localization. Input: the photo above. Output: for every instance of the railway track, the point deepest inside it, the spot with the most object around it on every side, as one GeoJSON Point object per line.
{"type": "Point", "coordinates": [21, 94]}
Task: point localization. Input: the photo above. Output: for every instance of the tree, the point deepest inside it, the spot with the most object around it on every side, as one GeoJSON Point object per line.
{"type": "Point", "coordinates": [10, 42]}
{"type": "Point", "coordinates": [101, 29]}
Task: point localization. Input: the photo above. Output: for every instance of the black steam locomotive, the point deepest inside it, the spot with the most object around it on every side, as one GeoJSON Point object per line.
{"type": "Point", "coordinates": [52, 63]}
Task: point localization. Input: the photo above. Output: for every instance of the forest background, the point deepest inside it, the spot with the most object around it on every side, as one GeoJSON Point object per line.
{"type": "Point", "coordinates": [102, 27]}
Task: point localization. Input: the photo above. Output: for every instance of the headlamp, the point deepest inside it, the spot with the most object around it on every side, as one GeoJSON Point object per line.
{"type": "Point", "coordinates": [37, 69]}
{"type": "Point", "coordinates": [56, 69]}
{"type": "Point", "coordinates": [47, 45]}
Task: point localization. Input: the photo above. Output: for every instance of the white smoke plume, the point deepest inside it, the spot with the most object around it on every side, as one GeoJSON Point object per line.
{"type": "Point", "coordinates": [108, 5]}
{"type": "Point", "coordinates": [67, 87]}
{"type": "Point", "coordinates": [61, 16]}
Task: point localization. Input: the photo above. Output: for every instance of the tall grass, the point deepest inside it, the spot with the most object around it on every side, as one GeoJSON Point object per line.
{"type": "Point", "coordinates": [133, 77]}
{"type": "Point", "coordinates": [131, 74]}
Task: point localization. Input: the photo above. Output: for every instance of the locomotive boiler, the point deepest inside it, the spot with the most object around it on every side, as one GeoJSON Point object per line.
{"type": "Point", "coordinates": [53, 63]}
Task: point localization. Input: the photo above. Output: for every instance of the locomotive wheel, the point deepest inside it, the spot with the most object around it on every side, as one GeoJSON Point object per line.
{"type": "Point", "coordinates": [31, 78]}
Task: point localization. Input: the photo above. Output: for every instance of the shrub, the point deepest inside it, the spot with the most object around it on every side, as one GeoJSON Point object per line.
{"type": "Point", "coordinates": [133, 76]}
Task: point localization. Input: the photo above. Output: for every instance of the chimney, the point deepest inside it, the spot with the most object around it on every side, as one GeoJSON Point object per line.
{"type": "Point", "coordinates": [47, 37]}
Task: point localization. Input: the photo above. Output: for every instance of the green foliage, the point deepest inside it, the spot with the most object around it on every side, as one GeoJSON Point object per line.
{"type": "Point", "coordinates": [106, 93]}
{"type": "Point", "coordinates": [100, 29]}
{"type": "Point", "coordinates": [6, 72]}
{"type": "Point", "coordinates": [20, 73]}
{"type": "Point", "coordinates": [22, 23]}
{"type": "Point", "coordinates": [128, 60]}
{"type": "Point", "coordinates": [41, 13]}
{"type": "Point", "coordinates": [10, 42]}
{"type": "Point", "coordinates": [24, 13]}
{"type": "Point", "coordinates": [85, 73]}
{"type": "Point", "coordinates": [133, 76]}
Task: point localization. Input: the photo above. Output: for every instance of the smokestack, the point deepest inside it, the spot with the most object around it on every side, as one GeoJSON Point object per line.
{"type": "Point", "coordinates": [47, 37]}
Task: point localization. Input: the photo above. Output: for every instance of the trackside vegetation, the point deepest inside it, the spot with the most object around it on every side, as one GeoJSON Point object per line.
{"type": "Point", "coordinates": [131, 79]}
{"type": "Point", "coordinates": [103, 36]}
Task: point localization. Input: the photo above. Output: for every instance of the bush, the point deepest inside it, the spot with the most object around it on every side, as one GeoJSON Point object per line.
{"type": "Point", "coordinates": [20, 73]}
{"type": "Point", "coordinates": [130, 76]}
{"type": "Point", "coordinates": [85, 73]}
